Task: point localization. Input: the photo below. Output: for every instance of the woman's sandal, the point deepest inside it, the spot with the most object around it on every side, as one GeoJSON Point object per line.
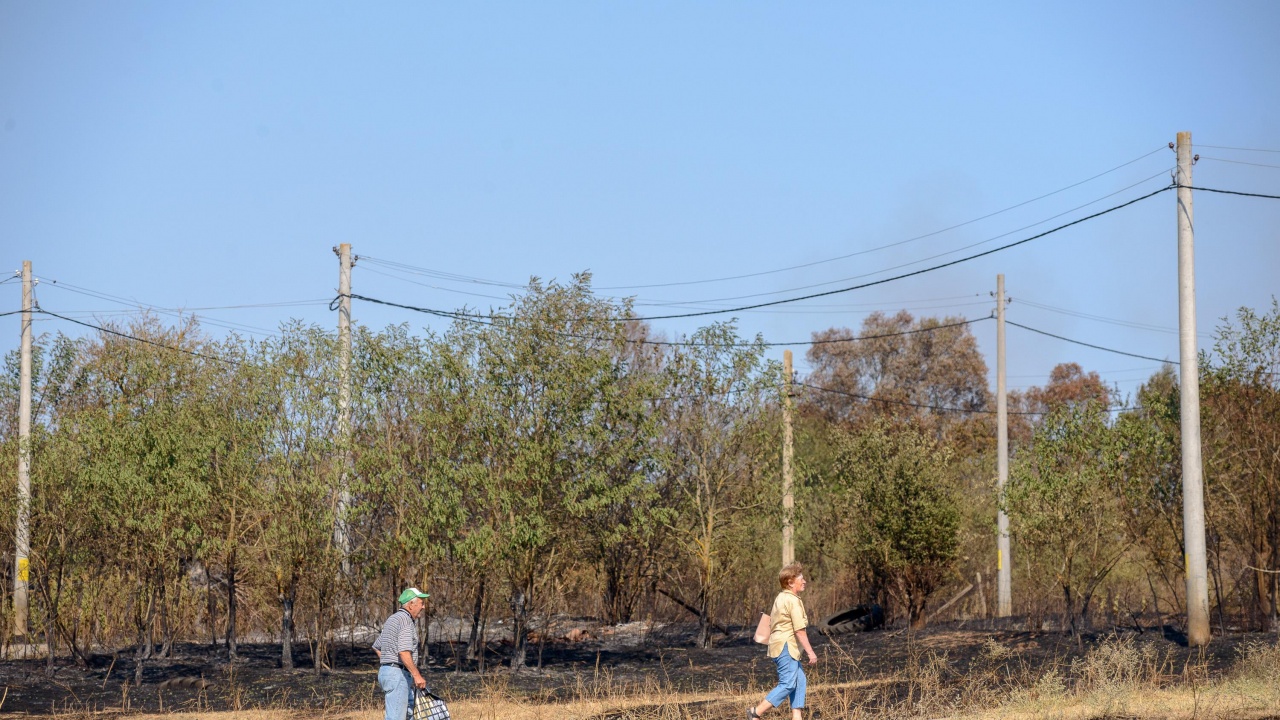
{"type": "Point", "coordinates": [752, 714]}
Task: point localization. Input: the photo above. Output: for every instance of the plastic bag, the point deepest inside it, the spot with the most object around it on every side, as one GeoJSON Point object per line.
{"type": "Point", "coordinates": [428, 706]}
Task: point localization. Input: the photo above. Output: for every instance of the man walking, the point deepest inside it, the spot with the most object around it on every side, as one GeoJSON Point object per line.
{"type": "Point", "coordinates": [397, 649]}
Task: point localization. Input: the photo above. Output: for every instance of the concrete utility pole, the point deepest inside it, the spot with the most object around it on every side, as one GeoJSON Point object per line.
{"type": "Point", "coordinates": [1004, 589]}
{"type": "Point", "coordinates": [1189, 369]}
{"type": "Point", "coordinates": [22, 534]}
{"type": "Point", "coordinates": [788, 502]}
{"type": "Point", "coordinates": [340, 537]}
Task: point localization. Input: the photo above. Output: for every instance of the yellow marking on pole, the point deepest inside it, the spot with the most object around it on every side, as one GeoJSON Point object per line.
{"type": "Point", "coordinates": [24, 573]}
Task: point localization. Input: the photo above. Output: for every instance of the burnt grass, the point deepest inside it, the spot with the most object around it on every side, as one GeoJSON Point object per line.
{"type": "Point", "coordinates": [605, 661]}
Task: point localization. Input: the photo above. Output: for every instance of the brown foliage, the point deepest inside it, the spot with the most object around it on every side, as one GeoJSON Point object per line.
{"type": "Point", "coordinates": [939, 368]}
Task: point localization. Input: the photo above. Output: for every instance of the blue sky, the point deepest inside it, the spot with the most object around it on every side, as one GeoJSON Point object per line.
{"type": "Point", "coordinates": [192, 155]}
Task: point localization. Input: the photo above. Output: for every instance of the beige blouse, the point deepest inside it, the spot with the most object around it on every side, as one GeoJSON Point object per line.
{"type": "Point", "coordinates": [786, 618]}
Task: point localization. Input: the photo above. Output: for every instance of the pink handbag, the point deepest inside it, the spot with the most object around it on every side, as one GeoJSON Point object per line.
{"type": "Point", "coordinates": [763, 629]}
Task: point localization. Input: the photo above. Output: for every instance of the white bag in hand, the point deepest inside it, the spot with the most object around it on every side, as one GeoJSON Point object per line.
{"type": "Point", "coordinates": [428, 706]}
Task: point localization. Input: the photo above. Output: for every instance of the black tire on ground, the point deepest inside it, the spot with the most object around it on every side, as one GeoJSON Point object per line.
{"type": "Point", "coordinates": [859, 618]}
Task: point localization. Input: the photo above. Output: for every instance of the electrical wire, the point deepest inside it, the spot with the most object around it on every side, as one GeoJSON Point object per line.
{"type": "Point", "coordinates": [889, 245]}
{"type": "Point", "coordinates": [439, 274]}
{"type": "Point", "coordinates": [435, 287]}
{"type": "Point", "coordinates": [937, 407]}
{"type": "Point", "coordinates": [918, 260]}
{"type": "Point", "coordinates": [673, 303]}
{"type": "Point", "coordinates": [1238, 162]}
{"type": "Point", "coordinates": [816, 309]}
{"type": "Point", "coordinates": [771, 303]}
{"type": "Point", "coordinates": [225, 324]}
{"type": "Point", "coordinates": [913, 273]}
{"type": "Point", "coordinates": [1228, 147]}
{"type": "Point", "coordinates": [127, 336]}
{"type": "Point", "coordinates": [489, 321]}
{"type": "Point", "coordinates": [1090, 345]}
{"type": "Point", "coordinates": [1099, 318]}
{"type": "Point", "coordinates": [1232, 192]}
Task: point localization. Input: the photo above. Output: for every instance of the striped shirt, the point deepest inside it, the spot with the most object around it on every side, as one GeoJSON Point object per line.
{"type": "Point", "coordinates": [398, 633]}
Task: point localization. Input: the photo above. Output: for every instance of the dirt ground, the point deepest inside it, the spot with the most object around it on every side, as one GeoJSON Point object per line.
{"type": "Point", "coordinates": [579, 659]}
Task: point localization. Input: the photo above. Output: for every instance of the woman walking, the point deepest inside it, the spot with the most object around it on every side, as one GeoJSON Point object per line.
{"type": "Point", "coordinates": [787, 635]}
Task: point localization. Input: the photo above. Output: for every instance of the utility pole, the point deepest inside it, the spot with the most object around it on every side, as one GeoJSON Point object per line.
{"type": "Point", "coordinates": [1189, 368]}
{"type": "Point", "coordinates": [340, 536]}
{"type": "Point", "coordinates": [1004, 589]}
{"type": "Point", "coordinates": [788, 502]}
{"type": "Point", "coordinates": [22, 534]}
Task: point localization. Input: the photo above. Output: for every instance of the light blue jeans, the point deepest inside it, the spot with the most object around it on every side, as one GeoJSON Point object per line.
{"type": "Point", "coordinates": [791, 682]}
{"type": "Point", "coordinates": [397, 689]}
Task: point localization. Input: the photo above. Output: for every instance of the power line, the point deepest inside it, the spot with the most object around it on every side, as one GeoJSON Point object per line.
{"type": "Point", "coordinates": [952, 251]}
{"type": "Point", "coordinates": [1100, 318]}
{"type": "Point", "coordinates": [433, 287]}
{"type": "Point", "coordinates": [1118, 408]}
{"type": "Point", "coordinates": [127, 336]}
{"type": "Point", "coordinates": [455, 277]}
{"type": "Point", "coordinates": [439, 274]}
{"type": "Point", "coordinates": [489, 320]}
{"type": "Point", "coordinates": [226, 324]}
{"type": "Point", "coordinates": [1228, 147]}
{"type": "Point", "coordinates": [913, 273]}
{"type": "Point", "coordinates": [771, 303]}
{"type": "Point", "coordinates": [695, 304]}
{"type": "Point", "coordinates": [676, 303]}
{"type": "Point", "coordinates": [1091, 345]}
{"type": "Point", "coordinates": [1234, 192]}
{"type": "Point", "coordinates": [901, 402]}
{"type": "Point", "coordinates": [890, 245]}
{"type": "Point", "coordinates": [1239, 162]}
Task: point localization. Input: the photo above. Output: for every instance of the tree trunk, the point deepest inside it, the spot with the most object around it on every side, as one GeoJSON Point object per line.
{"type": "Point", "coordinates": [424, 638]}
{"type": "Point", "coordinates": [474, 649]}
{"type": "Point", "coordinates": [614, 608]}
{"type": "Point", "coordinates": [1069, 607]}
{"type": "Point", "coordinates": [286, 628]}
{"type": "Point", "coordinates": [212, 608]}
{"type": "Point", "coordinates": [166, 632]}
{"type": "Point", "coordinates": [232, 649]}
{"type": "Point", "coordinates": [51, 624]}
{"type": "Point", "coordinates": [519, 628]}
{"type": "Point", "coordinates": [144, 637]}
{"type": "Point", "coordinates": [704, 621]}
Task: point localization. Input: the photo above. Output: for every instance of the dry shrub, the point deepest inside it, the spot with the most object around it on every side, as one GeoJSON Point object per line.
{"type": "Point", "coordinates": [1259, 662]}
{"type": "Point", "coordinates": [1119, 664]}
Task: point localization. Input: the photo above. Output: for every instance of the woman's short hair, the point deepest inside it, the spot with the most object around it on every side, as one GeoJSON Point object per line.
{"type": "Point", "coordinates": [788, 573]}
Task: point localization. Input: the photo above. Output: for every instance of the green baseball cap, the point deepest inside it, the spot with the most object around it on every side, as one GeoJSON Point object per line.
{"type": "Point", "coordinates": [411, 594]}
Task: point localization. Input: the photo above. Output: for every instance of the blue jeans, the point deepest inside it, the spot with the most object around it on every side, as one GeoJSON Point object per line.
{"type": "Point", "coordinates": [397, 689]}
{"type": "Point", "coordinates": [791, 682]}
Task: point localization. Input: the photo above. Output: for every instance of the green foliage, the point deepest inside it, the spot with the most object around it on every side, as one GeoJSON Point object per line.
{"type": "Point", "coordinates": [1064, 505]}
{"type": "Point", "coordinates": [892, 513]}
{"type": "Point", "coordinates": [536, 461]}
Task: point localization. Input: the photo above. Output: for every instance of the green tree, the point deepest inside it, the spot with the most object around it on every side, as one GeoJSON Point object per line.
{"type": "Point", "coordinates": [300, 483]}
{"type": "Point", "coordinates": [1064, 507]}
{"type": "Point", "coordinates": [891, 512]}
{"type": "Point", "coordinates": [718, 414]}
{"type": "Point", "coordinates": [1240, 413]}
{"type": "Point", "coordinates": [146, 459]}
{"type": "Point", "coordinates": [542, 369]}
